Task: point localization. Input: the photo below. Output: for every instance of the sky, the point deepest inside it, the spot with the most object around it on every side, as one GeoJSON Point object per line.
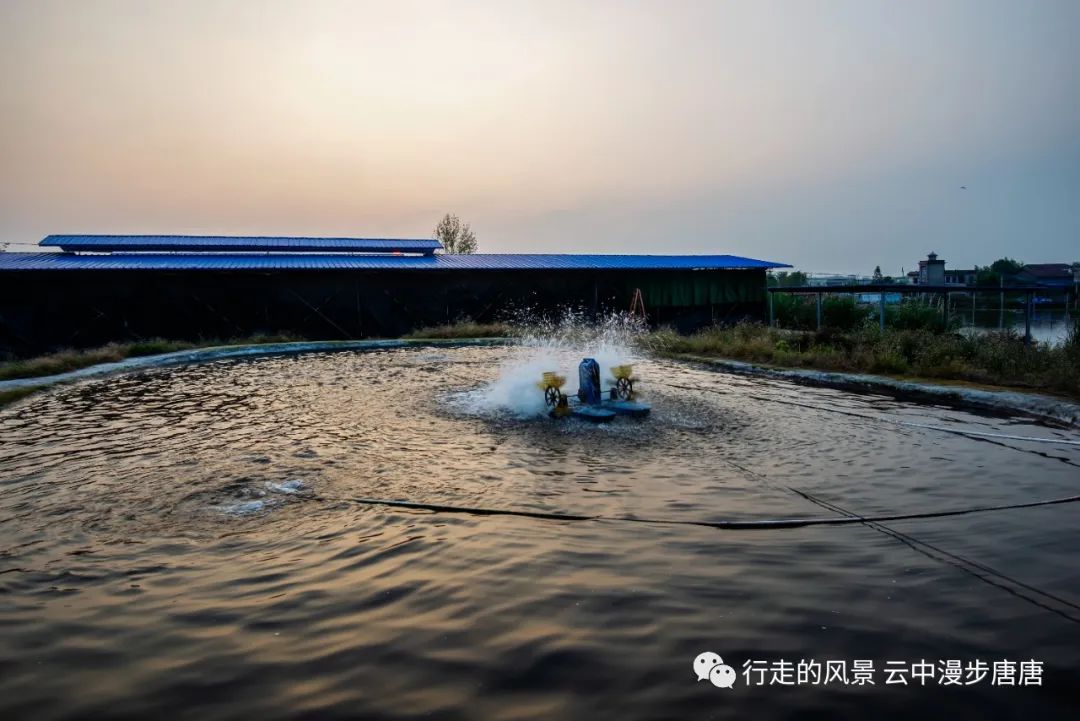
{"type": "Point", "coordinates": [835, 136]}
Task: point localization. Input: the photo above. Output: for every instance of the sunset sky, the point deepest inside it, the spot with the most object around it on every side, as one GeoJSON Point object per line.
{"type": "Point", "coordinates": [835, 136]}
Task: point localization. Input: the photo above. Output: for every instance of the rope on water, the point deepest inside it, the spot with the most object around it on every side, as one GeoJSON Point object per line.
{"type": "Point", "coordinates": [979, 570]}
{"type": "Point", "coordinates": [759, 524]}
{"type": "Point", "coordinates": [987, 434]}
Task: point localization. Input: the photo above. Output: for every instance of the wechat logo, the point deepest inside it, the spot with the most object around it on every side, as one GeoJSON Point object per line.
{"type": "Point", "coordinates": [710, 666]}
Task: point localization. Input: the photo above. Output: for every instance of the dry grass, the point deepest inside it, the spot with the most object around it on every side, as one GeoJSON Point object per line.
{"type": "Point", "coordinates": [62, 362]}
{"type": "Point", "coordinates": [67, 360]}
{"type": "Point", "coordinates": [463, 329]}
{"type": "Point", "coordinates": [14, 394]}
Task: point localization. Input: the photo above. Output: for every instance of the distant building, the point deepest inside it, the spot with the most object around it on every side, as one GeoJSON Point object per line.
{"type": "Point", "coordinates": [874, 298]}
{"type": "Point", "coordinates": [833, 279]}
{"type": "Point", "coordinates": [101, 288]}
{"type": "Point", "coordinates": [961, 277]}
{"type": "Point", "coordinates": [1051, 275]}
{"type": "Point", "coordinates": [931, 270]}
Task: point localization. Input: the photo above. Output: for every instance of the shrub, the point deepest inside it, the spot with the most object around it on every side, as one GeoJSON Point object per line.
{"type": "Point", "coordinates": [464, 328]}
{"type": "Point", "coordinates": [912, 314]}
{"type": "Point", "coordinates": [844, 313]}
{"type": "Point", "coordinates": [794, 311]}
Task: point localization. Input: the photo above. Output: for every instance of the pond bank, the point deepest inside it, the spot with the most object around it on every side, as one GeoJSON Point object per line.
{"type": "Point", "coordinates": [997, 361]}
{"type": "Point", "coordinates": [1048, 409]}
{"type": "Point", "coordinates": [15, 388]}
{"type": "Point", "coordinates": [1045, 408]}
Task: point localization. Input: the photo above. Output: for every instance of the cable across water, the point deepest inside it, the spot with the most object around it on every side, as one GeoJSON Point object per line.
{"type": "Point", "coordinates": [747, 525]}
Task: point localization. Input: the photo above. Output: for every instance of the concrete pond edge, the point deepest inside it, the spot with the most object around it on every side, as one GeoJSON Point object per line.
{"type": "Point", "coordinates": [1048, 409]}
{"type": "Point", "coordinates": [1044, 408]}
{"type": "Point", "coordinates": [203, 355]}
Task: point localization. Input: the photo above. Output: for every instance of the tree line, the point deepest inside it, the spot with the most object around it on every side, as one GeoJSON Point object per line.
{"type": "Point", "coordinates": [989, 275]}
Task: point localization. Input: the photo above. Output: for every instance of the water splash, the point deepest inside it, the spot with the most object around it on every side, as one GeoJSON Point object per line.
{"type": "Point", "coordinates": [557, 345]}
{"type": "Point", "coordinates": [245, 508]}
{"type": "Point", "coordinates": [240, 499]}
{"type": "Point", "coordinates": [290, 487]}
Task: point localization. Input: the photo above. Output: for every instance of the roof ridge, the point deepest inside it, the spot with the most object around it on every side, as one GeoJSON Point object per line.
{"type": "Point", "coordinates": [237, 237]}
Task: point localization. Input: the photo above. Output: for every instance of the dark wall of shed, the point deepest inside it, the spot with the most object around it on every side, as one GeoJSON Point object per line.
{"type": "Point", "coordinates": [43, 311]}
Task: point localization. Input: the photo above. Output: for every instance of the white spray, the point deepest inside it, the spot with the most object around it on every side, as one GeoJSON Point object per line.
{"type": "Point", "coordinates": [557, 346]}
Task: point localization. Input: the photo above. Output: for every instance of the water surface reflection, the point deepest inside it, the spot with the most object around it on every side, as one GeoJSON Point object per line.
{"type": "Point", "coordinates": [154, 564]}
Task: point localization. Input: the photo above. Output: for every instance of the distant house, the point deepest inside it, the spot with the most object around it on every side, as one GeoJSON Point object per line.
{"type": "Point", "coordinates": [931, 271]}
{"type": "Point", "coordinates": [832, 279]}
{"type": "Point", "coordinates": [961, 277]}
{"type": "Point", "coordinates": [1051, 275]}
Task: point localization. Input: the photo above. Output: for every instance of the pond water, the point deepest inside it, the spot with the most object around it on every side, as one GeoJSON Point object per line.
{"type": "Point", "coordinates": [191, 541]}
{"type": "Point", "coordinates": [1047, 326]}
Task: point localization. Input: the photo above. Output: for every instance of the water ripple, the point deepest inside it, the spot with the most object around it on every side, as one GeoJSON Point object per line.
{"type": "Point", "coordinates": [180, 542]}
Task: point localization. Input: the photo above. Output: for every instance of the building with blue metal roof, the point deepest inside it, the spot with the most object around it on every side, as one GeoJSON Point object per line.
{"type": "Point", "coordinates": [100, 288]}
{"type": "Point", "coordinates": [325, 261]}
{"type": "Point", "coordinates": [230, 243]}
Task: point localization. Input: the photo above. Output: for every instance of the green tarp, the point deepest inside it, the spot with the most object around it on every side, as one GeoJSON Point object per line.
{"type": "Point", "coordinates": [699, 288]}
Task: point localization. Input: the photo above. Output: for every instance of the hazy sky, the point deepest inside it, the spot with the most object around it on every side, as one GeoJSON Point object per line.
{"type": "Point", "coordinates": [831, 135]}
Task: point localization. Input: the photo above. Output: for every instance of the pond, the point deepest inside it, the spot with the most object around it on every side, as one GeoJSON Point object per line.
{"type": "Point", "coordinates": [206, 541]}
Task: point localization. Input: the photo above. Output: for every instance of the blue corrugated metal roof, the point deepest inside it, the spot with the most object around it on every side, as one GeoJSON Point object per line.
{"type": "Point", "coordinates": [284, 261]}
{"type": "Point", "coordinates": [220, 243]}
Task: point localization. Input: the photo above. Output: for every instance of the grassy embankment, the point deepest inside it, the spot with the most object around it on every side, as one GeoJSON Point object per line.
{"type": "Point", "coordinates": [463, 329]}
{"type": "Point", "coordinates": [10, 396]}
{"type": "Point", "coordinates": [991, 359]}
{"type": "Point", "coordinates": [69, 360]}
{"type": "Point", "coordinates": [915, 345]}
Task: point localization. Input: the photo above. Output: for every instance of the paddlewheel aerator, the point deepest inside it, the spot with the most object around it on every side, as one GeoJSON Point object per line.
{"type": "Point", "coordinates": [555, 399]}
{"type": "Point", "coordinates": [623, 387]}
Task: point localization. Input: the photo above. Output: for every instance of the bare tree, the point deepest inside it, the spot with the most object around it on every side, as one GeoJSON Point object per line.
{"type": "Point", "coordinates": [455, 237]}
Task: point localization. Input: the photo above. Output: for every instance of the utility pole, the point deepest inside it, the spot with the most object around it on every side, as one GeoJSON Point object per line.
{"type": "Point", "coordinates": [1001, 311]}
{"type": "Point", "coordinates": [1029, 303]}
